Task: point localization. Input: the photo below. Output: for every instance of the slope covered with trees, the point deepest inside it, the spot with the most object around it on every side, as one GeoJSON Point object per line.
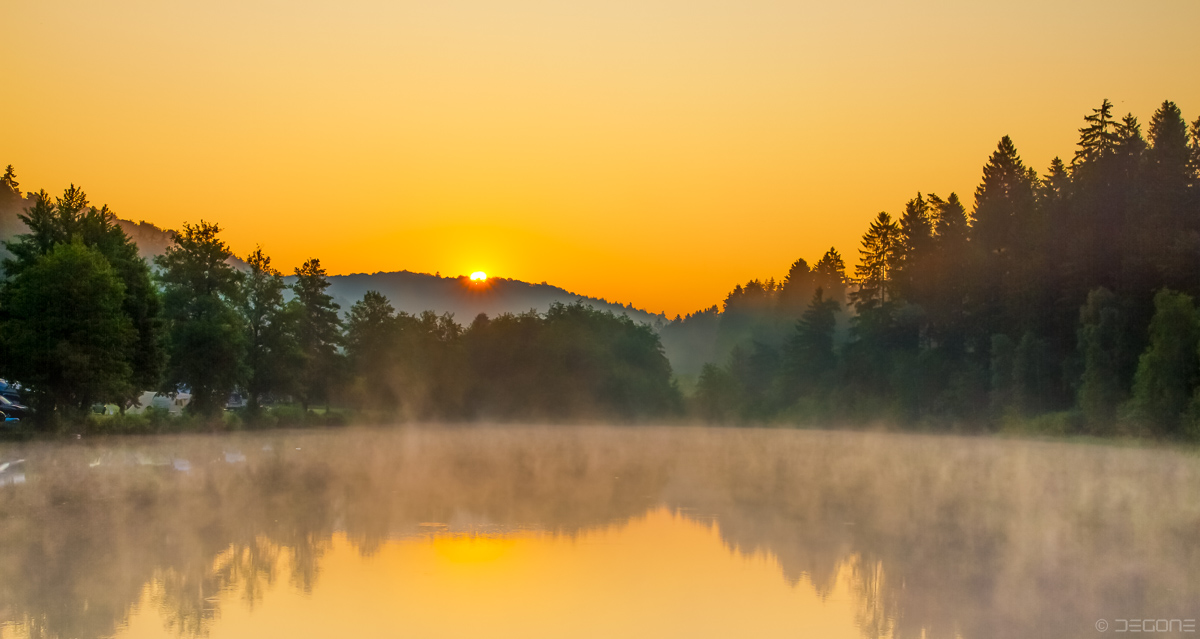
{"type": "Point", "coordinates": [1062, 301]}
{"type": "Point", "coordinates": [1067, 295]}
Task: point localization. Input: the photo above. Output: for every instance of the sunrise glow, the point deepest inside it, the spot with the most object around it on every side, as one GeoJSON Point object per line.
{"type": "Point", "coordinates": [478, 276]}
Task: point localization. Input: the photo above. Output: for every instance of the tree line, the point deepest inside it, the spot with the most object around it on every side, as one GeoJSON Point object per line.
{"type": "Point", "coordinates": [1065, 298]}
{"type": "Point", "coordinates": [1063, 301]}
{"type": "Point", "coordinates": [84, 320]}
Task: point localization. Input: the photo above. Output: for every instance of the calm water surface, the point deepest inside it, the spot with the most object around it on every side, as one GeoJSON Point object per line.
{"type": "Point", "coordinates": [592, 532]}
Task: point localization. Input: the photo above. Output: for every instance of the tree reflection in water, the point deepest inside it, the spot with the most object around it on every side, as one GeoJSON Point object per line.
{"type": "Point", "coordinates": [941, 536]}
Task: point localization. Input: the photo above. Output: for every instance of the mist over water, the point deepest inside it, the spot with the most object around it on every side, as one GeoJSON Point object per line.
{"type": "Point", "coordinates": [529, 531]}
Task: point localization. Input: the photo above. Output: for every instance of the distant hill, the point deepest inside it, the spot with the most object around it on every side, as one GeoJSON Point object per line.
{"type": "Point", "coordinates": [416, 292]}
{"type": "Point", "coordinates": [408, 292]}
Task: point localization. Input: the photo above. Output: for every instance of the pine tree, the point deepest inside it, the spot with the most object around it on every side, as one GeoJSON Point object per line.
{"type": "Point", "coordinates": [810, 354]}
{"type": "Point", "coordinates": [881, 256]}
{"type": "Point", "coordinates": [796, 287]}
{"type": "Point", "coordinates": [205, 336]}
{"type": "Point", "coordinates": [9, 184]}
{"type": "Point", "coordinates": [947, 276]}
{"type": "Point", "coordinates": [950, 224]}
{"type": "Point", "coordinates": [1003, 203]}
{"type": "Point", "coordinates": [1004, 233]}
{"type": "Point", "coordinates": [1099, 138]}
{"type": "Point", "coordinates": [318, 330]}
{"type": "Point", "coordinates": [1167, 223]}
{"type": "Point", "coordinates": [829, 274]}
{"type": "Point", "coordinates": [916, 238]}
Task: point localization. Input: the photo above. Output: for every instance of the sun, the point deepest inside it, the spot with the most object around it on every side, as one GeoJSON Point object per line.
{"type": "Point", "coordinates": [478, 276]}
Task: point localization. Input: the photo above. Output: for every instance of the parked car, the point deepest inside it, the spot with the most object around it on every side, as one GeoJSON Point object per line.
{"type": "Point", "coordinates": [13, 409]}
{"type": "Point", "coordinates": [11, 391]}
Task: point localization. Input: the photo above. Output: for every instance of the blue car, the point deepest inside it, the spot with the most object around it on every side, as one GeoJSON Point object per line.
{"type": "Point", "coordinates": [13, 410]}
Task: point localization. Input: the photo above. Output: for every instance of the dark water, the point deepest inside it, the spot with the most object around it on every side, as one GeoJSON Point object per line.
{"type": "Point", "coordinates": [595, 532]}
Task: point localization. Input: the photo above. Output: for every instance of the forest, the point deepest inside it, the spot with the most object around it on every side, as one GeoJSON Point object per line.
{"type": "Point", "coordinates": [1059, 303]}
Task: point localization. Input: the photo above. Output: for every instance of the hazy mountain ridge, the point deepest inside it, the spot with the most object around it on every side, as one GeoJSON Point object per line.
{"type": "Point", "coordinates": [408, 291]}
{"type": "Point", "coordinates": [417, 292]}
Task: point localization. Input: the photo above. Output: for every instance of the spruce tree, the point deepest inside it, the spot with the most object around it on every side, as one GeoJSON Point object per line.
{"type": "Point", "coordinates": [1003, 235]}
{"type": "Point", "coordinates": [9, 184]}
{"type": "Point", "coordinates": [318, 330]}
{"type": "Point", "coordinates": [880, 259]}
{"type": "Point", "coordinates": [205, 335]}
{"type": "Point", "coordinates": [1099, 138]}
{"type": "Point", "coordinates": [1168, 223]}
{"type": "Point", "coordinates": [829, 273]}
{"type": "Point", "coordinates": [810, 354]}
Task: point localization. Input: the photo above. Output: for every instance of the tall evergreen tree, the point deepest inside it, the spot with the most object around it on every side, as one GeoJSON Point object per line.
{"type": "Point", "coordinates": [318, 329]}
{"type": "Point", "coordinates": [1099, 138]}
{"type": "Point", "coordinates": [205, 336]}
{"type": "Point", "coordinates": [880, 259]}
{"type": "Point", "coordinates": [8, 182]}
{"type": "Point", "coordinates": [830, 275]}
{"type": "Point", "coordinates": [1002, 234]}
{"type": "Point", "coordinates": [916, 238]}
{"type": "Point", "coordinates": [795, 289]}
{"type": "Point", "coordinates": [810, 353]}
{"type": "Point", "coordinates": [1168, 230]}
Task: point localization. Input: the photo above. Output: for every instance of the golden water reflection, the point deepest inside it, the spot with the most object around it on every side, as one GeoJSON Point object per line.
{"type": "Point", "coordinates": [592, 531]}
{"type": "Point", "coordinates": [657, 575]}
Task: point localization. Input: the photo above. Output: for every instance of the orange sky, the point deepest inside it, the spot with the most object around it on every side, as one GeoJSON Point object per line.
{"type": "Point", "coordinates": [652, 151]}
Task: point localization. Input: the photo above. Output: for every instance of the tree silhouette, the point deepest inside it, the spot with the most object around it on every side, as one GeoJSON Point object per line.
{"type": "Point", "coordinates": [205, 335]}
{"type": "Point", "coordinates": [318, 330]}
{"type": "Point", "coordinates": [65, 335]}
{"type": "Point", "coordinates": [272, 351]}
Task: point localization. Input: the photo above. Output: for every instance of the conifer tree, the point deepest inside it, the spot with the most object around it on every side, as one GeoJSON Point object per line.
{"type": "Point", "coordinates": [205, 336]}
{"type": "Point", "coordinates": [318, 330]}
{"type": "Point", "coordinates": [1003, 234]}
{"type": "Point", "coordinates": [880, 259]}
{"type": "Point", "coordinates": [796, 287]}
{"type": "Point", "coordinates": [1099, 138]}
{"type": "Point", "coordinates": [830, 275]}
{"type": "Point", "coordinates": [1167, 223]}
{"type": "Point", "coordinates": [8, 182]}
{"type": "Point", "coordinates": [810, 354]}
{"type": "Point", "coordinates": [916, 237]}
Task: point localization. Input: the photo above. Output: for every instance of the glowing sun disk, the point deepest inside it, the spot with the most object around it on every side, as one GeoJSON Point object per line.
{"type": "Point", "coordinates": [478, 276]}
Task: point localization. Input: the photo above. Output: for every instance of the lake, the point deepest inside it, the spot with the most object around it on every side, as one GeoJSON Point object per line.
{"type": "Point", "coordinates": [508, 531]}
